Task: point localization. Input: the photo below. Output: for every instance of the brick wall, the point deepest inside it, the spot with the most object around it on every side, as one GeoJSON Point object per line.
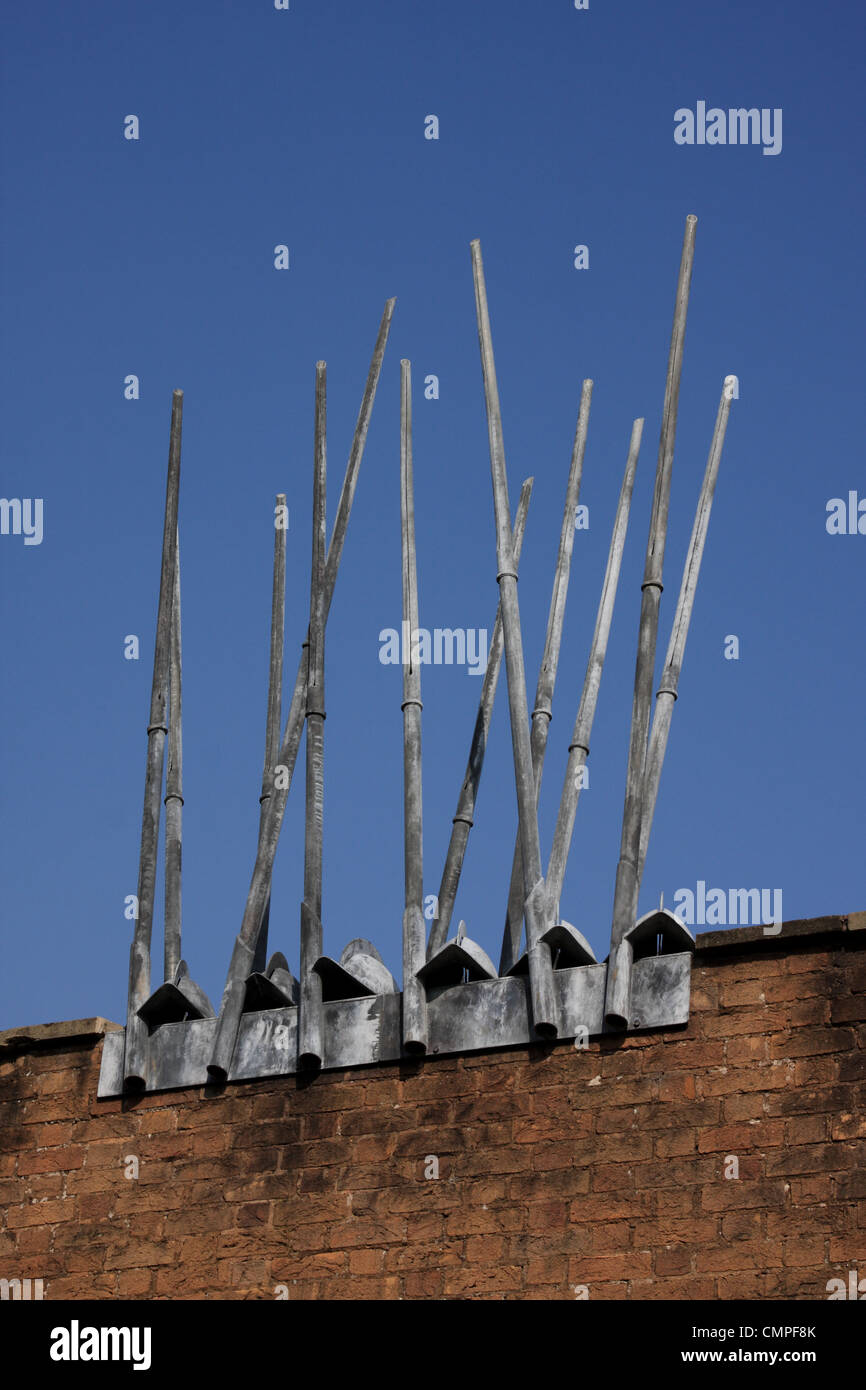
{"type": "Point", "coordinates": [557, 1168]}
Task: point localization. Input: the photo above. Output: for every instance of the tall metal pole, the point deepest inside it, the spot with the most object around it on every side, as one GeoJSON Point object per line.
{"type": "Point", "coordinates": [543, 999]}
{"type": "Point", "coordinates": [618, 986]}
{"type": "Point", "coordinates": [275, 696]}
{"type": "Point", "coordinates": [310, 1040]}
{"type": "Point", "coordinates": [667, 692]}
{"type": "Point", "coordinates": [543, 710]}
{"type": "Point", "coordinates": [173, 799]}
{"type": "Point", "coordinates": [243, 954]}
{"type": "Point", "coordinates": [578, 749]}
{"type": "Point", "coordinates": [135, 1040]}
{"type": "Point", "coordinates": [414, 934]}
{"type": "Point", "coordinates": [465, 814]}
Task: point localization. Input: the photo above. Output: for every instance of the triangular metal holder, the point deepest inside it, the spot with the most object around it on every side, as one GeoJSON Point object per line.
{"type": "Point", "coordinates": [360, 971]}
{"type": "Point", "coordinates": [176, 1000]}
{"type": "Point", "coordinates": [272, 988]}
{"type": "Point", "coordinates": [568, 946]}
{"type": "Point", "coordinates": [460, 961]}
{"type": "Point", "coordinates": [659, 932]}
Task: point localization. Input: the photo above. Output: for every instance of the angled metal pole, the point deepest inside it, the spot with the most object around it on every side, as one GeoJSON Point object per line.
{"type": "Point", "coordinates": [414, 934]}
{"type": "Point", "coordinates": [667, 692]}
{"type": "Point", "coordinates": [465, 814]}
{"type": "Point", "coordinates": [275, 697]}
{"type": "Point", "coordinates": [243, 955]}
{"type": "Point", "coordinates": [173, 799]}
{"type": "Point", "coordinates": [310, 1040]}
{"type": "Point", "coordinates": [543, 997]}
{"type": "Point", "coordinates": [135, 1040]}
{"type": "Point", "coordinates": [618, 986]}
{"type": "Point", "coordinates": [543, 710]}
{"type": "Point", "coordinates": [578, 749]}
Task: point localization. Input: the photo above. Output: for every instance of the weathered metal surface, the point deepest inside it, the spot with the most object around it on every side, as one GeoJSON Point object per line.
{"type": "Point", "coordinates": [569, 946]}
{"type": "Point", "coordinates": [414, 930]}
{"type": "Point", "coordinates": [359, 971]}
{"type": "Point", "coordinates": [540, 966]}
{"type": "Point", "coordinates": [627, 884]}
{"type": "Point", "coordinates": [661, 991]}
{"type": "Point", "coordinates": [667, 692]}
{"type": "Point", "coordinates": [173, 799]}
{"type": "Point", "coordinates": [175, 1000]}
{"type": "Point", "coordinates": [542, 712]}
{"type": "Point", "coordinates": [275, 701]}
{"type": "Point", "coordinates": [278, 973]}
{"type": "Point", "coordinates": [272, 988]}
{"type": "Point", "coordinates": [465, 814]}
{"type": "Point", "coordinates": [368, 1028]}
{"type": "Point", "coordinates": [463, 1015]}
{"type": "Point", "coordinates": [658, 932]}
{"type": "Point", "coordinates": [272, 1035]}
{"type": "Point", "coordinates": [310, 1022]}
{"type": "Point", "coordinates": [459, 960]}
{"type": "Point", "coordinates": [578, 749]}
{"type": "Point", "coordinates": [245, 943]}
{"type": "Point", "coordinates": [139, 955]}
{"type": "Point", "coordinates": [472, 1017]}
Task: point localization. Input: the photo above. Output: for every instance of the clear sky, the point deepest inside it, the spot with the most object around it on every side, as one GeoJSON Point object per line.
{"type": "Point", "coordinates": [155, 257]}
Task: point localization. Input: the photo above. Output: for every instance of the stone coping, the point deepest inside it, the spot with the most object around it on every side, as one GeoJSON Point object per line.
{"type": "Point", "coordinates": [28, 1038]}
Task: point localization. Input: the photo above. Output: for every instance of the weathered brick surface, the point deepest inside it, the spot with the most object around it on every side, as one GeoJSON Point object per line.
{"type": "Point", "coordinates": [611, 1167]}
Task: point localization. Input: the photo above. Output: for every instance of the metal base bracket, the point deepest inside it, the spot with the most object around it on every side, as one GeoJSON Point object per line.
{"type": "Point", "coordinates": [473, 1017]}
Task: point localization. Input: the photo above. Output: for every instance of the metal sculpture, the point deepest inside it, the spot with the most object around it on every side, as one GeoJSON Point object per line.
{"type": "Point", "coordinates": [350, 1011]}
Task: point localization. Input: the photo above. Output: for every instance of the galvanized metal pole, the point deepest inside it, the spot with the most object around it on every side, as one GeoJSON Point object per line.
{"type": "Point", "coordinates": [310, 1041]}
{"type": "Point", "coordinates": [578, 750]}
{"type": "Point", "coordinates": [243, 954]}
{"type": "Point", "coordinates": [173, 799]}
{"type": "Point", "coordinates": [414, 934]}
{"type": "Point", "coordinates": [667, 692]}
{"type": "Point", "coordinates": [618, 986]}
{"type": "Point", "coordinates": [465, 814]}
{"type": "Point", "coordinates": [543, 711]}
{"type": "Point", "coordinates": [135, 1040]}
{"type": "Point", "coordinates": [275, 697]}
{"type": "Point", "coordinates": [543, 998]}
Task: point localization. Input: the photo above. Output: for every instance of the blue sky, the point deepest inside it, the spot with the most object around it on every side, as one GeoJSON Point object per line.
{"type": "Point", "coordinates": [156, 257]}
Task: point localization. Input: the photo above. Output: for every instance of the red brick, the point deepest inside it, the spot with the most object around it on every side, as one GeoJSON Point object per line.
{"type": "Point", "coordinates": [366, 1261]}
{"type": "Point", "coordinates": [546, 1180]}
{"type": "Point", "coordinates": [52, 1160]}
{"type": "Point", "coordinates": [848, 1126]}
